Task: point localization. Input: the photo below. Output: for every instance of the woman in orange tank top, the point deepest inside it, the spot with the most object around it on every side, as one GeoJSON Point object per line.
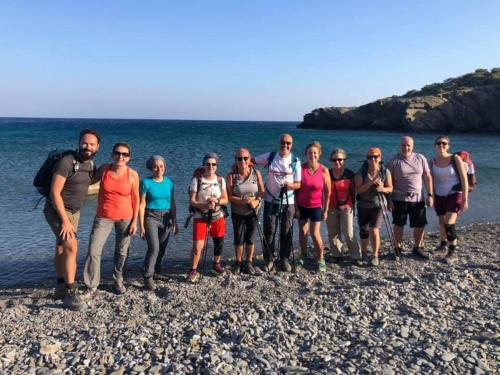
{"type": "Point", "coordinates": [118, 207]}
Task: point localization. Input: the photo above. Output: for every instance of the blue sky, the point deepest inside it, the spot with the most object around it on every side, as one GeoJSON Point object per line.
{"type": "Point", "coordinates": [232, 60]}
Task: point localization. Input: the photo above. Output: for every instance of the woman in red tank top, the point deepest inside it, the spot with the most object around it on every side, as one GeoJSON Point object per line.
{"type": "Point", "coordinates": [118, 207]}
{"type": "Point", "coordinates": [312, 202]}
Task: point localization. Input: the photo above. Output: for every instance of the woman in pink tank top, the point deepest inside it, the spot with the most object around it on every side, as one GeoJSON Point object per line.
{"type": "Point", "coordinates": [118, 207]}
{"type": "Point", "coordinates": [312, 203]}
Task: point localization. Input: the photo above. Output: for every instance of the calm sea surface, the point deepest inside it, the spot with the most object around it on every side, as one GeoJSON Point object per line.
{"type": "Point", "coordinates": [26, 243]}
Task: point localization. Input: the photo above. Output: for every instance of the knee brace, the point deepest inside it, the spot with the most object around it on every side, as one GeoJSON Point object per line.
{"type": "Point", "coordinates": [218, 245]}
{"type": "Point", "coordinates": [364, 233]}
{"type": "Point", "coordinates": [451, 233]}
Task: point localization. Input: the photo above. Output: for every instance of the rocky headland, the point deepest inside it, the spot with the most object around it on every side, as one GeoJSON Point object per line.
{"type": "Point", "coordinates": [406, 317]}
{"type": "Point", "coordinates": [466, 104]}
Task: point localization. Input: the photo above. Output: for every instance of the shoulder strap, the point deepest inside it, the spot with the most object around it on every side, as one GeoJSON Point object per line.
{"type": "Point", "coordinates": [270, 159]}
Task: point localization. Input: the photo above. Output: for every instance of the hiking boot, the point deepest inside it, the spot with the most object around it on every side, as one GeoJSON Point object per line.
{"type": "Point", "coordinates": [218, 269]}
{"type": "Point", "coordinates": [419, 252]}
{"type": "Point", "coordinates": [321, 265]}
{"type": "Point", "coordinates": [192, 276]}
{"type": "Point", "coordinates": [451, 256]}
{"type": "Point", "coordinates": [89, 294]}
{"type": "Point", "coordinates": [119, 288]}
{"type": "Point", "coordinates": [300, 262]}
{"type": "Point", "coordinates": [73, 301]}
{"type": "Point", "coordinates": [442, 248]}
{"type": "Point", "coordinates": [149, 283]}
{"type": "Point", "coordinates": [374, 261]}
{"type": "Point", "coordinates": [398, 252]}
{"type": "Point", "coordinates": [269, 266]}
{"type": "Point", "coordinates": [60, 291]}
{"type": "Point", "coordinates": [285, 265]}
{"type": "Point", "coordinates": [237, 268]}
{"type": "Point", "coordinates": [357, 262]}
{"type": "Point", "coordinates": [249, 269]}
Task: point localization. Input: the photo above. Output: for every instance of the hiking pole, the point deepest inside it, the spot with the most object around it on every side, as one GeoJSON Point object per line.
{"type": "Point", "coordinates": [205, 245]}
{"type": "Point", "coordinates": [294, 268]}
{"type": "Point", "coordinates": [265, 244]}
{"type": "Point", "coordinates": [387, 221]}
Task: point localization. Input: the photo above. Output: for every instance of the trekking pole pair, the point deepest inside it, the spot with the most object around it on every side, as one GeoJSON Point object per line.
{"type": "Point", "coordinates": [387, 220]}
{"type": "Point", "coordinates": [205, 245]}
{"type": "Point", "coordinates": [266, 248]}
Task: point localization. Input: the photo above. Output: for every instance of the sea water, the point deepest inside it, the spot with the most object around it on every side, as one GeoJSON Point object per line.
{"type": "Point", "coordinates": [26, 242]}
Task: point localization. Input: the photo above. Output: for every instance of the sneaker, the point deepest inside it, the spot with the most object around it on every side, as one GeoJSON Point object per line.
{"type": "Point", "coordinates": [60, 291]}
{"type": "Point", "coordinates": [285, 265]}
{"type": "Point", "coordinates": [119, 288]}
{"type": "Point", "coordinates": [149, 283]}
{"type": "Point", "coordinates": [451, 257]}
{"type": "Point", "coordinates": [375, 262]}
{"type": "Point", "coordinates": [269, 266]}
{"type": "Point", "coordinates": [398, 251]}
{"type": "Point", "coordinates": [73, 301]}
{"type": "Point", "coordinates": [249, 269]}
{"type": "Point", "coordinates": [419, 252]}
{"type": "Point", "coordinates": [89, 294]}
{"type": "Point", "coordinates": [322, 266]}
{"type": "Point", "coordinates": [357, 262]}
{"type": "Point", "coordinates": [237, 268]}
{"type": "Point", "coordinates": [442, 248]}
{"type": "Point", "coordinates": [192, 276]}
{"type": "Point", "coordinates": [218, 269]}
{"type": "Point", "coordinates": [300, 262]}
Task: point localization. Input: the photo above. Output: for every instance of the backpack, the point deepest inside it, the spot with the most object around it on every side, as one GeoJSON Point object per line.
{"type": "Point", "coordinates": [43, 178]}
{"type": "Point", "coordinates": [364, 173]}
{"type": "Point", "coordinates": [471, 171]}
{"type": "Point", "coordinates": [270, 158]}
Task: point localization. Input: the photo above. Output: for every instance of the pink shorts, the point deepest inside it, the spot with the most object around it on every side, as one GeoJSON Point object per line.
{"type": "Point", "coordinates": [450, 203]}
{"type": "Point", "coordinates": [217, 229]}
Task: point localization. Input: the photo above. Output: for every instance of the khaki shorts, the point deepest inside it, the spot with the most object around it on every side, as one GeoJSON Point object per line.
{"type": "Point", "coordinates": [55, 222]}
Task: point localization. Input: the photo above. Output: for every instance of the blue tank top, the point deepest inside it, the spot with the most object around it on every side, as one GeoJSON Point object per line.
{"type": "Point", "coordinates": [158, 194]}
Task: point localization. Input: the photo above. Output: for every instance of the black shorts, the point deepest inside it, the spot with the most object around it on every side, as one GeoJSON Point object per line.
{"type": "Point", "coordinates": [244, 228]}
{"type": "Point", "coordinates": [370, 217]}
{"type": "Point", "coordinates": [416, 210]}
{"type": "Point", "coordinates": [313, 214]}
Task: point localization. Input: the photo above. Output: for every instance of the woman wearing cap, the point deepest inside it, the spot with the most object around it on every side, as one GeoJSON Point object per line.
{"type": "Point", "coordinates": [451, 188]}
{"type": "Point", "coordinates": [118, 207]}
{"type": "Point", "coordinates": [312, 203]}
{"type": "Point", "coordinates": [207, 196]}
{"type": "Point", "coordinates": [157, 216]}
{"type": "Point", "coordinates": [341, 209]}
{"type": "Point", "coordinates": [245, 190]}
{"type": "Point", "coordinates": [372, 181]}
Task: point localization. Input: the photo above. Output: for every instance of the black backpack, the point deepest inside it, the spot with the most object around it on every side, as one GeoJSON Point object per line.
{"type": "Point", "coordinates": [43, 178]}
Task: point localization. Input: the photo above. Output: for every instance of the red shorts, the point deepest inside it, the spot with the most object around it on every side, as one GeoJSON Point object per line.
{"type": "Point", "coordinates": [450, 203]}
{"type": "Point", "coordinates": [217, 229]}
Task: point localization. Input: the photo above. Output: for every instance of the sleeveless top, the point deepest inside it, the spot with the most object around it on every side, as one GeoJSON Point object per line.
{"type": "Point", "coordinates": [115, 196]}
{"type": "Point", "coordinates": [342, 190]}
{"type": "Point", "coordinates": [245, 188]}
{"type": "Point", "coordinates": [444, 178]}
{"type": "Point", "coordinates": [310, 194]}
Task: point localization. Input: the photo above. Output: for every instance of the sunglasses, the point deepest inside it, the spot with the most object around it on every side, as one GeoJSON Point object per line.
{"type": "Point", "coordinates": [337, 160]}
{"type": "Point", "coordinates": [286, 143]}
{"type": "Point", "coordinates": [242, 158]}
{"type": "Point", "coordinates": [372, 157]}
{"type": "Point", "coordinates": [124, 154]}
{"type": "Point", "coordinates": [441, 143]}
{"type": "Point", "coordinates": [210, 164]}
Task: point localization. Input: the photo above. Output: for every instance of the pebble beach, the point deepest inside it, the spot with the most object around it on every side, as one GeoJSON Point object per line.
{"type": "Point", "coordinates": [411, 316]}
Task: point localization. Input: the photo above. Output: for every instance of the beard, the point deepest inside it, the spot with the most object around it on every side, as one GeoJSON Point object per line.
{"type": "Point", "coordinates": [85, 154]}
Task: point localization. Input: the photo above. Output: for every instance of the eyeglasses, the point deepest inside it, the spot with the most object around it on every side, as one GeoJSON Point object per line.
{"type": "Point", "coordinates": [285, 143]}
{"type": "Point", "coordinates": [242, 158]}
{"type": "Point", "coordinates": [372, 157]}
{"type": "Point", "coordinates": [337, 160]}
{"type": "Point", "coordinates": [441, 143]}
{"type": "Point", "coordinates": [124, 154]}
{"type": "Point", "coordinates": [210, 164]}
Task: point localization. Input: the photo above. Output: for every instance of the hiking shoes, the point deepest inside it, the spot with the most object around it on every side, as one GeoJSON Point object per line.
{"type": "Point", "coordinates": [398, 252]}
{"type": "Point", "coordinates": [119, 288]}
{"type": "Point", "coordinates": [218, 269]}
{"type": "Point", "coordinates": [249, 268]}
{"type": "Point", "coordinates": [357, 262]}
{"type": "Point", "coordinates": [300, 262]}
{"type": "Point", "coordinates": [268, 267]}
{"type": "Point", "coordinates": [285, 265]}
{"type": "Point", "coordinates": [420, 252]}
{"type": "Point", "coordinates": [237, 268]}
{"type": "Point", "coordinates": [60, 291]}
{"type": "Point", "coordinates": [321, 265]}
{"type": "Point", "coordinates": [73, 301]}
{"type": "Point", "coordinates": [192, 276]}
{"type": "Point", "coordinates": [149, 284]}
{"type": "Point", "coordinates": [442, 248]}
{"type": "Point", "coordinates": [451, 257]}
{"type": "Point", "coordinates": [374, 261]}
{"type": "Point", "coordinates": [89, 294]}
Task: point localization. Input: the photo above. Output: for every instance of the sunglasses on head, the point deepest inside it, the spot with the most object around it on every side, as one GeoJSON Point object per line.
{"type": "Point", "coordinates": [210, 164]}
{"type": "Point", "coordinates": [242, 158]}
{"type": "Point", "coordinates": [124, 154]}
{"type": "Point", "coordinates": [337, 160]}
{"type": "Point", "coordinates": [286, 143]}
{"type": "Point", "coordinates": [372, 157]}
{"type": "Point", "coordinates": [441, 143]}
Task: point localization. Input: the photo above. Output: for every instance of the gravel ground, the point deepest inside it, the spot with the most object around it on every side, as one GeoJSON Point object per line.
{"type": "Point", "coordinates": [411, 316]}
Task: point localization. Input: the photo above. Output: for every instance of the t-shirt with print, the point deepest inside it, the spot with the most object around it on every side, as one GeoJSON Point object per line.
{"type": "Point", "coordinates": [407, 177]}
{"type": "Point", "coordinates": [158, 193]}
{"type": "Point", "coordinates": [77, 184]}
{"type": "Point", "coordinates": [209, 188]}
{"type": "Point", "coordinates": [281, 169]}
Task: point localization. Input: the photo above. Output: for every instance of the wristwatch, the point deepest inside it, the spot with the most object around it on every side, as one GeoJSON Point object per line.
{"type": "Point", "coordinates": [430, 195]}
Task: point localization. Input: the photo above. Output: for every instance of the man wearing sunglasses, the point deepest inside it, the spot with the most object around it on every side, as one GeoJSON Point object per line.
{"type": "Point", "coordinates": [72, 176]}
{"type": "Point", "coordinates": [284, 176]}
{"type": "Point", "coordinates": [409, 169]}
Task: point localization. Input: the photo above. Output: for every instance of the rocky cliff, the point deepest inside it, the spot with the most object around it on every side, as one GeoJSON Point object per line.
{"type": "Point", "coordinates": [470, 103]}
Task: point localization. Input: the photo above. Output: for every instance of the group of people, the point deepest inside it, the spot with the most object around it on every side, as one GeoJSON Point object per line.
{"type": "Point", "coordinates": [309, 191]}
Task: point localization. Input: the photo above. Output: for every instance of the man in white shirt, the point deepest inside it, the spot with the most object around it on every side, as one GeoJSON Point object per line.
{"type": "Point", "coordinates": [284, 176]}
